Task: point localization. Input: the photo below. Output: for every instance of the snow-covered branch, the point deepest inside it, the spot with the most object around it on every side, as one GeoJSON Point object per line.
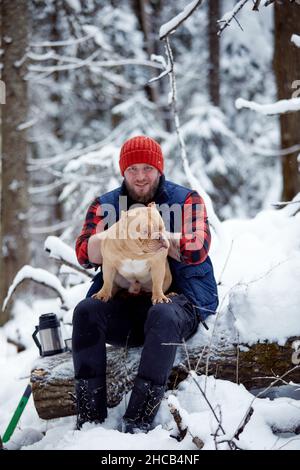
{"type": "Point", "coordinates": [177, 415]}
{"type": "Point", "coordinates": [230, 15]}
{"type": "Point", "coordinates": [181, 419]}
{"type": "Point", "coordinates": [73, 63]}
{"type": "Point", "coordinates": [41, 276]}
{"type": "Point", "coordinates": [73, 153]}
{"type": "Point", "coordinates": [69, 42]}
{"type": "Point", "coordinates": [49, 228]}
{"type": "Point", "coordinates": [280, 107]}
{"type": "Point", "coordinates": [45, 188]}
{"type": "Point", "coordinates": [171, 26]}
{"type": "Point", "coordinates": [288, 207]}
{"type": "Point", "coordinates": [275, 152]}
{"type": "Point", "coordinates": [61, 252]}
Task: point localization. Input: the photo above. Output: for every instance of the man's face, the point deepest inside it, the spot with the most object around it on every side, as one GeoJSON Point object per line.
{"type": "Point", "coordinates": [141, 181]}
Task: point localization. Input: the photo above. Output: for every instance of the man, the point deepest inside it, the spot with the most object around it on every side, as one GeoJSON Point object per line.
{"type": "Point", "coordinates": [132, 320]}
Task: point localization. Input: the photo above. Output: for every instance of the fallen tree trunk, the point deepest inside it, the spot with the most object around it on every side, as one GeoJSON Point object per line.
{"type": "Point", "coordinates": [52, 378]}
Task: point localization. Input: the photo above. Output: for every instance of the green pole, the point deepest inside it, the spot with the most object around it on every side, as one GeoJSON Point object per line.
{"type": "Point", "coordinates": [17, 414]}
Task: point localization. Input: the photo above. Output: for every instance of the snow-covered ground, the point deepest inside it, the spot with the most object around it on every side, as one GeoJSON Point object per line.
{"type": "Point", "coordinates": [258, 267]}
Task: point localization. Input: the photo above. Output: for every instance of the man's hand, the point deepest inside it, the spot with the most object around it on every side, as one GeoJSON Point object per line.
{"type": "Point", "coordinates": [94, 249]}
{"type": "Point", "coordinates": [174, 249]}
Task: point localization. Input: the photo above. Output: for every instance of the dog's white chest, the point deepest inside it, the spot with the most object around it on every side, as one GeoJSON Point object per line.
{"type": "Point", "coordinates": [134, 268]}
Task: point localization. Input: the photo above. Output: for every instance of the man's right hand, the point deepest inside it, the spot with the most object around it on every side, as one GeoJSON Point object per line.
{"type": "Point", "coordinates": [94, 249]}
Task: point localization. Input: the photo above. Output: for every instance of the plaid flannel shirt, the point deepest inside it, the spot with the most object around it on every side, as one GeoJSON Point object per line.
{"type": "Point", "coordinates": [194, 242]}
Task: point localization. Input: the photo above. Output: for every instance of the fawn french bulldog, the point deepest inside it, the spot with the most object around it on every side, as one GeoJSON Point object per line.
{"type": "Point", "coordinates": [134, 252]}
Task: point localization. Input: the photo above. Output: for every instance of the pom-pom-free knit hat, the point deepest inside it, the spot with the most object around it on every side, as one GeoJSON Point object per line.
{"type": "Point", "coordinates": [141, 149]}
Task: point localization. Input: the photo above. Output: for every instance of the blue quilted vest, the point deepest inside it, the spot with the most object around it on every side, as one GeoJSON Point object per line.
{"type": "Point", "coordinates": [195, 281]}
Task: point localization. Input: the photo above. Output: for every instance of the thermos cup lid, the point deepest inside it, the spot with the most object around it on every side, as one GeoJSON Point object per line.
{"type": "Point", "coordinates": [48, 320]}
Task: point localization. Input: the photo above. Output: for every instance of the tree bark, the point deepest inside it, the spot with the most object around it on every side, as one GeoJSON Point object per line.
{"type": "Point", "coordinates": [141, 8]}
{"type": "Point", "coordinates": [53, 383]}
{"type": "Point", "coordinates": [287, 71]}
{"type": "Point", "coordinates": [148, 14]}
{"type": "Point", "coordinates": [14, 185]}
{"type": "Point", "coordinates": [214, 52]}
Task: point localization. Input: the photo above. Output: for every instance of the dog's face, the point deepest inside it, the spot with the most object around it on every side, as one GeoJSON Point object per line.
{"type": "Point", "coordinates": [145, 226]}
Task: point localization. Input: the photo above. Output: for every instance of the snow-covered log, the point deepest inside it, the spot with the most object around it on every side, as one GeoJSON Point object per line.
{"type": "Point", "coordinates": [52, 380]}
{"type": "Point", "coordinates": [255, 366]}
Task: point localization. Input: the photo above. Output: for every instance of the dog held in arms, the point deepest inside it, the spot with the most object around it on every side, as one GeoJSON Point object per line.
{"type": "Point", "coordinates": [134, 252]}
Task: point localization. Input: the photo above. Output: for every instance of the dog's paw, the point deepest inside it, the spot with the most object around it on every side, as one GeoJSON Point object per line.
{"type": "Point", "coordinates": [172, 294]}
{"type": "Point", "coordinates": [102, 295]}
{"type": "Point", "coordinates": [160, 299]}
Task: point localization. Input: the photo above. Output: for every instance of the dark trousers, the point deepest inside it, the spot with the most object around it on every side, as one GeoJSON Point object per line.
{"type": "Point", "coordinates": [131, 321]}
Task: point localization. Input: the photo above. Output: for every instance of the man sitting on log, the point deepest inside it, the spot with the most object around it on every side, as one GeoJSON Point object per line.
{"type": "Point", "coordinates": [130, 318]}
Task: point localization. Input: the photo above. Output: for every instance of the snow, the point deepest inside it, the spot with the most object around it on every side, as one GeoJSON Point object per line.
{"type": "Point", "coordinates": [61, 251]}
{"type": "Point", "coordinates": [97, 35]}
{"type": "Point", "coordinates": [229, 400]}
{"type": "Point", "coordinates": [259, 299]}
{"type": "Point", "coordinates": [295, 40]}
{"type": "Point", "coordinates": [280, 107]}
{"type": "Point", "coordinates": [256, 260]}
{"type": "Point", "coordinates": [75, 5]}
{"type": "Point", "coordinates": [268, 246]}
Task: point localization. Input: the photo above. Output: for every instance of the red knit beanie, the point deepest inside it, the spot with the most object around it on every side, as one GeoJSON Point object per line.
{"type": "Point", "coordinates": [141, 149]}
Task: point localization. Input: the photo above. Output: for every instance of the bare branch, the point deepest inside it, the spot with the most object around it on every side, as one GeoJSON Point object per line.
{"type": "Point", "coordinates": [214, 221]}
{"type": "Point", "coordinates": [228, 17]}
{"type": "Point", "coordinates": [243, 424]}
{"type": "Point", "coordinates": [269, 2]}
{"type": "Point", "coordinates": [205, 397]}
{"type": "Point", "coordinates": [256, 5]}
{"type": "Point", "coordinates": [225, 264]}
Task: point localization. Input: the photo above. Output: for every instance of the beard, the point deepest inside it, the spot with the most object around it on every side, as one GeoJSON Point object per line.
{"type": "Point", "coordinates": [143, 198]}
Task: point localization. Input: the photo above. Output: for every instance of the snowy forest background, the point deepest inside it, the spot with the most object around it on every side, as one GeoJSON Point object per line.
{"type": "Point", "coordinates": [77, 85]}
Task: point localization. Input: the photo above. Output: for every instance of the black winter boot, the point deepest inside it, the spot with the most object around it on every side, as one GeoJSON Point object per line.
{"type": "Point", "coordinates": [90, 400]}
{"type": "Point", "coordinates": [143, 405]}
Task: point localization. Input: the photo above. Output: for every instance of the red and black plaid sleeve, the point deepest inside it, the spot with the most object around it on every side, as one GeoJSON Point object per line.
{"type": "Point", "coordinates": [90, 227]}
{"type": "Point", "coordinates": [196, 237]}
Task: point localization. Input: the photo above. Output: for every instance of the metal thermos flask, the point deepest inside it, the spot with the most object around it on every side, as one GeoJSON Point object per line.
{"type": "Point", "coordinates": [49, 331]}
